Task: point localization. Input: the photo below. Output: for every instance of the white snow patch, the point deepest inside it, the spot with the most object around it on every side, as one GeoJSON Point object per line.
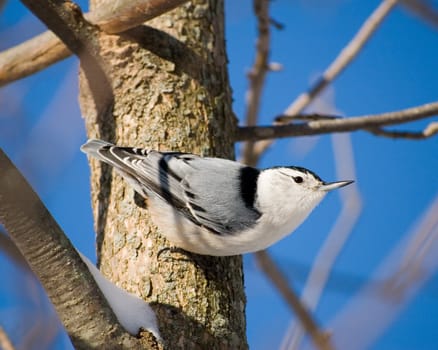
{"type": "Point", "coordinates": [131, 311]}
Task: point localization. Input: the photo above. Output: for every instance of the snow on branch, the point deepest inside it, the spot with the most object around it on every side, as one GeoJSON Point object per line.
{"type": "Point", "coordinates": [132, 312]}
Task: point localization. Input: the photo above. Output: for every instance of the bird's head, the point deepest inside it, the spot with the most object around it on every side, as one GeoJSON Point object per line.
{"type": "Point", "coordinates": [295, 188]}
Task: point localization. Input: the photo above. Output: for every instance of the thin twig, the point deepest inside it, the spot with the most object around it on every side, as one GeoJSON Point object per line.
{"type": "Point", "coordinates": [338, 235]}
{"type": "Point", "coordinates": [344, 58]}
{"type": "Point", "coordinates": [5, 342]}
{"type": "Point", "coordinates": [269, 267]}
{"type": "Point", "coordinates": [428, 131]}
{"type": "Point", "coordinates": [256, 78]}
{"type": "Point", "coordinates": [46, 49]}
{"type": "Point", "coordinates": [422, 9]}
{"type": "Point", "coordinates": [408, 268]}
{"type": "Point", "coordinates": [257, 74]}
{"type": "Point", "coordinates": [365, 122]}
{"type": "Point", "coordinates": [287, 119]}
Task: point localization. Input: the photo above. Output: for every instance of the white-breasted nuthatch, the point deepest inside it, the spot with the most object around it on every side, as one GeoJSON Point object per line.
{"type": "Point", "coordinates": [216, 206]}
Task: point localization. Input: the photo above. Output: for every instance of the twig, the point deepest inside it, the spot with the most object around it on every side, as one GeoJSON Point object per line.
{"type": "Point", "coordinates": [344, 58]}
{"type": "Point", "coordinates": [5, 342]}
{"type": "Point", "coordinates": [422, 9]}
{"type": "Point", "coordinates": [429, 131]}
{"type": "Point", "coordinates": [45, 49]}
{"type": "Point", "coordinates": [66, 279]}
{"type": "Point", "coordinates": [268, 266]}
{"type": "Point", "coordinates": [376, 306]}
{"type": "Point", "coordinates": [341, 125]}
{"type": "Point", "coordinates": [257, 74]}
{"type": "Point", "coordinates": [256, 77]}
{"type": "Point", "coordinates": [338, 235]}
{"type": "Point", "coordinates": [287, 119]}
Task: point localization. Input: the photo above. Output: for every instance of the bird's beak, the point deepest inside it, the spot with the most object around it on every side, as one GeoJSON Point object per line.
{"type": "Point", "coordinates": [334, 185]}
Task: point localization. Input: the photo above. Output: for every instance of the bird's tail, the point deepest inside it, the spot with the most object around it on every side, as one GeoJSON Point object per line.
{"type": "Point", "coordinates": [92, 147]}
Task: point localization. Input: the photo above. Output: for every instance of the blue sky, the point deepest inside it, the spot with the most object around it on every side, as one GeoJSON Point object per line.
{"type": "Point", "coordinates": [41, 129]}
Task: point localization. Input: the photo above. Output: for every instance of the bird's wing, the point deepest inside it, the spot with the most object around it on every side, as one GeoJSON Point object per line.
{"type": "Point", "coordinates": [202, 189]}
{"type": "Point", "coordinates": [212, 191]}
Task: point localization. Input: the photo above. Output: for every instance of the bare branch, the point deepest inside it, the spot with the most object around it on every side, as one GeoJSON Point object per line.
{"type": "Point", "coordinates": [31, 56]}
{"type": "Point", "coordinates": [422, 9]}
{"type": "Point", "coordinates": [257, 74]}
{"type": "Point", "coordinates": [338, 235]}
{"type": "Point", "coordinates": [318, 127]}
{"type": "Point", "coordinates": [71, 288]}
{"type": "Point", "coordinates": [257, 77]}
{"type": "Point", "coordinates": [429, 131]}
{"type": "Point", "coordinates": [345, 56]}
{"type": "Point", "coordinates": [5, 342]}
{"type": "Point", "coordinates": [45, 49]}
{"type": "Point", "coordinates": [407, 269]}
{"type": "Point", "coordinates": [65, 19]}
{"type": "Point", "coordinates": [268, 266]}
{"type": "Point", "coordinates": [117, 16]}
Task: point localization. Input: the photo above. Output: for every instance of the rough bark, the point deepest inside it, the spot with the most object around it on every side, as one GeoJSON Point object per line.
{"type": "Point", "coordinates": [170, 92]}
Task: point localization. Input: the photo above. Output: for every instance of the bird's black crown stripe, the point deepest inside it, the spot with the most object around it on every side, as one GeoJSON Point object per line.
{"type": "Point", "coordinates": [248, 185]}
{"type": "Point", "coordinates": [303, 170]}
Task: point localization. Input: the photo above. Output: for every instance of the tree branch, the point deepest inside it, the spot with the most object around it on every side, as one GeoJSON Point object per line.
{"type": "Point", "coordinates": [8, 248]}
{"type": "Point", "coordinates": [256, 78]}
{"type": "Point", "coordinates": [45, 49]}
{"type": "Point", "coordinates": [429, 131]}
{"type": "Point", "coordinates": [71, 288]}
{"type": "Point", "coordinates": [5, 342]}
{"type": "Point", "coordinates": [422, 9]}
{"type": "Point", "coordinates": [268, 266]}
{"type": "Point", "coordinates": [65, 19]}
{"type": "Point", "coordinates": [257, 74]}
{"type": "Point", "coordinates": [330, 125]}
{"type": "Point", "coordinates": [406, 269]}
{"type": "Point", "coordinates": [345, 56]}
{"type": "Point", "coordinates": [351, 207]}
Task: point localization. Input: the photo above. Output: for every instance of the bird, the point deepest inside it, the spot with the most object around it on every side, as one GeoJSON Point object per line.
{"type": "Point", "coordinates": [214, 206]}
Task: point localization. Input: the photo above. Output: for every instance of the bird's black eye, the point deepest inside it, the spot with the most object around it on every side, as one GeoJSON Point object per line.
{"type": "Point", "coordinates": [298, 179]}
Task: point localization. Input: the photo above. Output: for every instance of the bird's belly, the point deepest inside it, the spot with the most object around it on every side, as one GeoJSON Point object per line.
{"type": "Point", "coordinates": [185, 234]}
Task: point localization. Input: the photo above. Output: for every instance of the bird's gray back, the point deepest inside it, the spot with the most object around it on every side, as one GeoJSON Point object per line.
{"type": "Point", "coordinates": [208, 191]}
{"type": "Point", "coordinates": [213, 190]}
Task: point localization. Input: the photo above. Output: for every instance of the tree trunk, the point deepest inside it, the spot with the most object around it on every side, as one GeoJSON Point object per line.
{"type": "Point", "coordinates": [168, 90]}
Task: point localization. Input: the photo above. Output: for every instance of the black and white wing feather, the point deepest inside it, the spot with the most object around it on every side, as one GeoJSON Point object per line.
{"type": "Point", "coordinates": [216, 193]}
